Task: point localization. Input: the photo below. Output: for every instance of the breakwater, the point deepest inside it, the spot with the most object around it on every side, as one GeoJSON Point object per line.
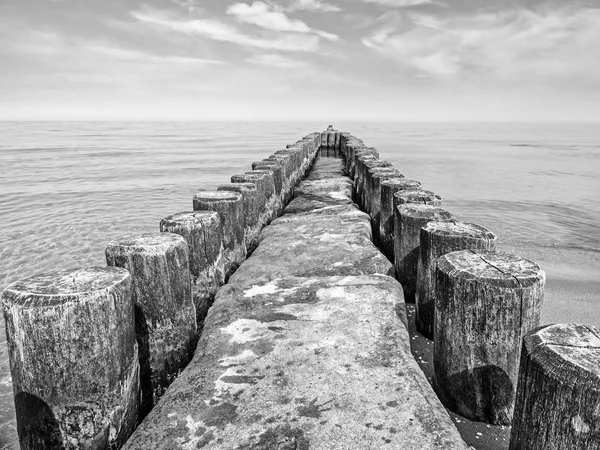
{"type": "Point", "coordinates": [256, 279]}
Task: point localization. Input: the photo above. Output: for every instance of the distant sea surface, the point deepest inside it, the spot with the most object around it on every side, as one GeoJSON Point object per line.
{"type": "Point", "coordinates": [68, 188]}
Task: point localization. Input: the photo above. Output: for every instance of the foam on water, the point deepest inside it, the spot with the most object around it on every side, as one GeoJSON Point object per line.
{"type": "Point", "coordinates": [66, 189]}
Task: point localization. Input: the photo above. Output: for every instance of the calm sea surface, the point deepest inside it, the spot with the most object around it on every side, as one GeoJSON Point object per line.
{"type": "Point", "coordinates": [66, 189]}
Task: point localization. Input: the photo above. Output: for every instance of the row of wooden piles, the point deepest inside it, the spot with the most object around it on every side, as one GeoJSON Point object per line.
{"type": "Point", "coordinates": [93, 349]}
{"type": "Point", "coordinates": [492, 361]}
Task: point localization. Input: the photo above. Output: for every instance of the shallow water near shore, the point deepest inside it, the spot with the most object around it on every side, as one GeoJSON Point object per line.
{"type": "Point", "coordinates": [66, 189]}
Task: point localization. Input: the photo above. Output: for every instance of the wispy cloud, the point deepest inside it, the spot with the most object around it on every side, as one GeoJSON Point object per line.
{"type": "Point", "coordinates": [278, 61]}
{"type": "Point", "coordinates": [220, 31]}
{"type": "Point", "coordinates": [189, 5]}
{"type": "Point", "coordinates": [516, 45]}
{"type": "Point", "coordinates": [266, 16]}
{"type": "Point", "coordinates": [401, 3]}
{"type": "Point", "coordinates": [312, 5]}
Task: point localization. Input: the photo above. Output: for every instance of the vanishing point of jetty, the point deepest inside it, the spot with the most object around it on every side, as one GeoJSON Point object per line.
{"type": "Point", "coordinates": [272, 316]}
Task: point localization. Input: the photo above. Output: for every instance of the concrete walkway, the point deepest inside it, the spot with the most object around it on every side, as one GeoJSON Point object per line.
{"type": "Point", "coordinates": [305, 347]}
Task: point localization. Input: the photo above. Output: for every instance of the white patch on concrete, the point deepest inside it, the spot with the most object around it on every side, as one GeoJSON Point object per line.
{"type": "Point", "coordinates": [338, 195]}
{"type": "Point", "coordinates": [223, 388]}
{"type": "Point", "coordinates": [331, 237]}
{"type": "Point", "coordinates": [243, 358]}
{"type": "Point", "coordinates": [579, 424]}
{"type": "Point", "coordinates": [269, 288]}
{"type": "Point", "coordinates": [331, 293]}
{"type": "Point", "coordinates": [347, 281]}
{"type": "Point", "coordinates": [246, 330]}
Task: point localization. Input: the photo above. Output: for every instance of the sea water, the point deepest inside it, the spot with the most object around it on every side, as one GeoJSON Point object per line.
{"type": "Point", "coordinates": [67, 188]}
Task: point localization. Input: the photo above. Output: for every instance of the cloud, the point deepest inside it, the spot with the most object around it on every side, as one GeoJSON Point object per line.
{"type": "Point", "coordinates": [401, 3]}
{"type": "Point", "coordinates": [264, 16]}
{"type": "Point", "coordinates": [277, 61]}
{"type": "Point", "coordinates": [189, 5]}
{"type": "Point", "coordinates": [312, 5]}
{"type": "Point", "coordinates": [512, 46]}
{"type": "Point", "coordinates": [220, 31]}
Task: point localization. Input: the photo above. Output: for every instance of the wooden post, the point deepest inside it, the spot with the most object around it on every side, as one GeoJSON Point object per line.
{"type": "Point", "coordinates": [485, 303]}
{"type": "Point", "coordinates": [368, 166]}
{"type": "Point", "coordinates": [204, 236]}
{"type": "Point", "coordinates": [230, 207]}
{"type": "Point", "coordinates": [252, 222]}
{"type": "Point", "coordinates": [275, 175]}
{"type": "Point", "coordinates": [264, 191]}
{"type": "Point", "coordinates": [421, 197]}
{"type": "Point", "coordinates": [296, 161]}
{"type": "Point", "coordinates": [437, 239]}
{"type": "Point", "coordinates": [558, 394]}
{"type": "Point", "coordinates": [359, 177]}
{"type": "Point", "coordinates": [280, 174]}
{"type": "Point", "coordinates": [386, 221]}
{"type": "Point", "coordinates": [165, 317]}
{"type": "Point", "coordinates": [377, 176]}
{"type": "Point", "coordinates": [408, 220]}
{"type": "Point", "coordinates": [73, 358]}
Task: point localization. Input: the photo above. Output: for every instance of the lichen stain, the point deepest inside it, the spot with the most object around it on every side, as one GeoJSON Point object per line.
{"type": "Point", "coordinates": [385, 350]}
{"type": "Point", "coordinates": [283, 437]}
{"type": "Point", "coordinates": [205, 439]}
{"type": "Point", "coordinates": [221, 415]}
{"type": "Point", "coordinates": [241, 379]}
{"type": "Point", "coordinates": [269, 317]}
{"type": "Point", "coordinates": [312, 409]}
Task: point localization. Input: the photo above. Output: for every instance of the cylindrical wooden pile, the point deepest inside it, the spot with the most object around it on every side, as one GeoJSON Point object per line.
{"type": "Point", "coordinates": [437, 239]}
{"type": "Point", "coordinates": [165, 316]}
{"type": "Point", "coordinates": [204, 236]}
{"type": "Point", "coordinates": [558, 394]}
{"type": "Point", "coordinates": [386, 221]}
{"type": "Point", "coordinates": [485, 302]}
{"type": "Point", "coordinates": [73, 358]}
{"type": "Point", "coordinates": [409, 218]}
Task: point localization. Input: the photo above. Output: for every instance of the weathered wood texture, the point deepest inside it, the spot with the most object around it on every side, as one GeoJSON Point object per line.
{"type": "Point", "coordinates": [204, 236]}
{"type": "Point", "coordinates": [230, 206]}
{"type": "Point", "coordinates": [251, 206]}
{"type": "Point", "coordinates": [264, 191]}
{"type": "Point", "coordinates": [277, 175]}
{"type": "Point", "coordinates": [349, 147]}
{"type": "Point", "coordinates": [274, 189]}
{"type": "Point", "coordinates": [373, 186]}
{"type": "Point", "coordinates": [437, 239]}
{"type": "Point", "coordinates": [485, 303]}
{"type": "Point", "coordinates": [165, 316]}
{"type": "Point", "coordinates": [386, 220]}
{"type": "Point", "coordinates": [408, 220]}
{"type": "Point", "coordinates": [73, 358]}
{"type": "Point", "coordinates": [367, 167]}
{"type": "Point", "coordinates": [558, 394]}
{"type": "Point", "coordinates": [376, 177]}
{"type": "Point", "coordinates": [359, 176]}
{"type": "Point", "coordinates": [280, 173]}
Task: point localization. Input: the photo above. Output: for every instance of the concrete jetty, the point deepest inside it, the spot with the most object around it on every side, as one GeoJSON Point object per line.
{"type": "Point", "coordinates": [306, 346]}
{"type": "Point", "coordinates": [300, 321]}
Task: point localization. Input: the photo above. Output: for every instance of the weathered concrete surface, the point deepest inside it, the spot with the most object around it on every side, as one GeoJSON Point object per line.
{"type": "Point", "coordinates": [305, 347]}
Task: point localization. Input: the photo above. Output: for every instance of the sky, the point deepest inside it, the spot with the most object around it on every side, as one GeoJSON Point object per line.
{"type": "Point", "coordinates": [360, 60]}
